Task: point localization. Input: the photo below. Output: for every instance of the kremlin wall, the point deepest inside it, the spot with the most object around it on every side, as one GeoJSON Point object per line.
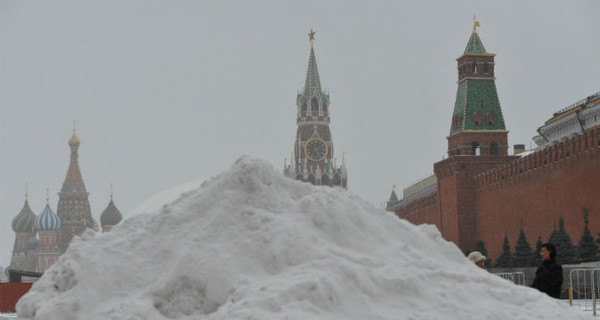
{"type": "Point", "coordinates": [480, 193]}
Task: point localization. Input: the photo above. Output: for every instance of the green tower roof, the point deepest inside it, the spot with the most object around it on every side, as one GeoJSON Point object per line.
{"type": "Point", "coordinates": [477, 96]}
{"type": "Point", "coordinates": [312, 84]}
{"type": "Point", "coordinates": [475, 46]}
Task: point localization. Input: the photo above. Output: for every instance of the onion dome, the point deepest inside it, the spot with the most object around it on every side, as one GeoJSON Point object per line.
{"type": "Point", "coordinates": [47, 220]}
{"type": "Point", "coordinates": [25, 220]}
{"type": "Point", "coordinates": [74, 141]}
{"type": "Point", "coordinates": [111, 215]}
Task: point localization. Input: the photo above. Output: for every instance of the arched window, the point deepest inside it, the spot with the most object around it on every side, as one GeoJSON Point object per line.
{"type": "Point", "coordinates": [485, 67]}
{"type": "Point", "coordinates": [474, 67]}
{"type": "Point", "coordinates": [475, 148]}
{"type": "Point", "coordinates": [324, 106]}
{"type": "Point", "coordinates": [314, 105]}
{"type": "Point", "coordinates": [494, 148]}
{"type": "Point", "coordinates": [477, 119]}
{"type": "Point", "coordinates": [303, 107]}
{"type": "Point", "coordinates": [491, 119]}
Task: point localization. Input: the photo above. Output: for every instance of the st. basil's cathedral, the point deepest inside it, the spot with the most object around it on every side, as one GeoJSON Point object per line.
{"type": "Point", "coordinates": [41, 239]}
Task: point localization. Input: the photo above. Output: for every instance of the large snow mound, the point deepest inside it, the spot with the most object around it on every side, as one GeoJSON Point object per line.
{"type": "Point", "coordinates": [253, 244]}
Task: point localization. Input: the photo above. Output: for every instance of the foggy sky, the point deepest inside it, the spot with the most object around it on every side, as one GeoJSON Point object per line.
{"type": "Point", "coordinates": [167, 92]}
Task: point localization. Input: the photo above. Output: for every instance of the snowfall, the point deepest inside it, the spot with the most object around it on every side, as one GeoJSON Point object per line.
{"type": "Point", "coordinates": [253, 244]}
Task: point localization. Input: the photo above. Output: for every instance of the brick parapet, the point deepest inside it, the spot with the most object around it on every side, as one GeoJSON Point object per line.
{"type": "Point", "coordinates": [563, 155]}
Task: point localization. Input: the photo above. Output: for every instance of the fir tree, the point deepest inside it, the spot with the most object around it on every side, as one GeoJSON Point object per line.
{"type": "Point", "coordinates": [588, 249]}
{"type": "Point", "coordinates": [505, 258]}
{"type": "Point", "coordinates": [537, 256]}
{"type": "Point", "coordinates": [480, 246]}
{"type": "Point", "coordinates": [523, 252]}
{"type": "Point", "coordinates": [566, 252]}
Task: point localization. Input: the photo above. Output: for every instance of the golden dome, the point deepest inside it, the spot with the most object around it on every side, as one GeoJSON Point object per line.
{"type": "Point", "coordinates": [74, 141]}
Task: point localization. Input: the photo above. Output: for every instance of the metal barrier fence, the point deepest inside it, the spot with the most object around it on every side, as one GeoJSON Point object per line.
{"type": "Point", "coordinates": [516, 277]}
{"type": "Point", "coordinates": [583, 288]}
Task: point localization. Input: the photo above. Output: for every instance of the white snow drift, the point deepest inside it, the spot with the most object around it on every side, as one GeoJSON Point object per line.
{"type": "Point", "coordinates": [253, 244]}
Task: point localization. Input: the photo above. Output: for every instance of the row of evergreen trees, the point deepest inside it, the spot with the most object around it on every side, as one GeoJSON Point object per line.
{"type": "Point", "coordinates": [566, 251]}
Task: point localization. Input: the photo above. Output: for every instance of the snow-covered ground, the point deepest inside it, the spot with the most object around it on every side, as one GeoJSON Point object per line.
{"type": "Point", "coordinates": [252, 244]}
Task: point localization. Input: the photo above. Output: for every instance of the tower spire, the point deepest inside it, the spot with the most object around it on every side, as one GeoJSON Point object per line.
{"type": "Point", "coordinates": [475, 24]}
{"type": "Point", "coordinates": [73, 206]}
{"type": "Point", "coordinates": [478, 126]}
{"type": "Point", "coordinates": [312, 85]}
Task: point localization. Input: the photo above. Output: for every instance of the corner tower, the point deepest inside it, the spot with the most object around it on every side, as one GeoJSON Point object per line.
{"type": "Point", "coordinates": [477, 123]}
{"type": "Point", "coordinates": [73, 206]}
{"type": "Point", "coordinates": [312, 159]}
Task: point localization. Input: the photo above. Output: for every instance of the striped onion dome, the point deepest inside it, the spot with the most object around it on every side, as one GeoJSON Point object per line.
{"type": "Point", "coordinates": [47, 220]}
{"type": "Point", "coordinates": [25, 220]}
{"type": "Point", "coordinates": [111, 216]}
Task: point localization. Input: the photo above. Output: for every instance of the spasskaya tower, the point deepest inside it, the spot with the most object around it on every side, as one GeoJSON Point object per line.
{"type": "Point", "coordinates": [312, 158]}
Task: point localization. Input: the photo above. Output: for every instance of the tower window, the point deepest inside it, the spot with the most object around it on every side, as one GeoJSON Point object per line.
{"type": "Point", "coordinates": [491, 119]}
{"type": "Point", "coordinates": [485, 67]}
{"type": "Point", "coordinates": [477, 119]}
{"type": "Point", "coordinates": [314, 104]}
{"type": "Point", "coordinates": [304, 107]}
{"type": "Point", "coordinates": [474, 67]}
{"type": "Point", "coordinates": [475, 148]}
{"type": "Point", "coordinates": [324, 107]}
{"type": "Point", "coordinates": [494, 148]}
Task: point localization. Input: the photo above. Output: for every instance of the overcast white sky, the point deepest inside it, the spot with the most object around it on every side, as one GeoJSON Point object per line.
{"type": "Point", "coordinates": [167, 92]}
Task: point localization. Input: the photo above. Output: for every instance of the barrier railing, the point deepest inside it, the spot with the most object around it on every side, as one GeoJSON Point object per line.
{"type": "Point", "coordinates": [516, 277]}
{"type": "Point", "coordinates": [583, 288]}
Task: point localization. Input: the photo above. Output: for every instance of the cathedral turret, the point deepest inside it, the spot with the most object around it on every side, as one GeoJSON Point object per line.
{"type": "Point", "coordinates": [477, 123]}
{"type": "Point", "coordinates": [111, 216]}
{"type": "Point", "coordinates": [47, 225]}
{"type": "Point", "coordinates": [73, 206]}
{"type": "Point", "coordinates": [25, 220]}
{"type": "Point", "coordinates": [24, 226]}
{"type": "Point", "coordinates": [47, 220]}
{"type": "Point", "coordinates": [313, 147]}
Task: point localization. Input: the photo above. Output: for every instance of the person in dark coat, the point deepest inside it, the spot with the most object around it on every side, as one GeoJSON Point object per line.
{"type": "Point", "coordinates": [549, 275]}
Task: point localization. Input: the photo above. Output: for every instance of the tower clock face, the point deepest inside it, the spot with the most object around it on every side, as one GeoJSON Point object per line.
{"type": "Point", "coordinates": [315, 149]}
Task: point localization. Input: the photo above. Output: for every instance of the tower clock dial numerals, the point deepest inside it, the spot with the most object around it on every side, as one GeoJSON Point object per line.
{"type": "Point", "coordinates": [315, 149]}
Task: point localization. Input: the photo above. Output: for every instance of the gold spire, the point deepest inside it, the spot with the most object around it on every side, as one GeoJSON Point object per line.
{"type": "Point", "coordinates": [74, 141]}
{"type": "Point", "coordinates": [111, 192]}
{"type": "Point", "coordinates": [47, 197]}
{"type": "Point", "coordinates": [311, 37]}
{"type": "Point", "coordinates": [26, 191]}
{"type": "Point", "coordinates": [475, 24]}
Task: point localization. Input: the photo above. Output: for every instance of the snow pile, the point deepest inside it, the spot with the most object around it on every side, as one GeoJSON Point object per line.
{"type": "Point", "coordinates": [253, 244]}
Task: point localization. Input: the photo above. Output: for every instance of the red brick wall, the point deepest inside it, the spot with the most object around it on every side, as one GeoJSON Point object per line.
{"type": "Point", "coordinates": [486, 197]}
{"type": "Point", "coordinates": [540, 195]}
{"type": "Point", "coordinates": [10, 293]}
{"type": "Point", "coordinates": [420, 211]}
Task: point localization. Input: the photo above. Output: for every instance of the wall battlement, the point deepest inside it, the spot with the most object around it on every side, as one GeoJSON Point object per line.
{"type": "Point", "coordinates": [566, 154]}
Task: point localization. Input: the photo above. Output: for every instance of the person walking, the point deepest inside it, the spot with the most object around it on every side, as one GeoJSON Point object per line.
{"type": "Point", "coordinates": [549, 275]}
